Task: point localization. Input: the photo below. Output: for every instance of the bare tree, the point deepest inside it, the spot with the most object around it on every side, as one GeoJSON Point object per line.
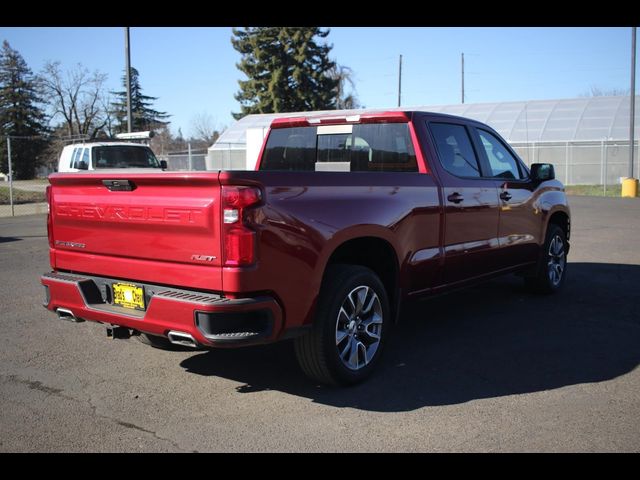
{"type": "Point", "coordinates": [55, 145]}
{"type": "Point", "coordinates": [108, 114]}
{"type": "Point", "coordinates": [77, 96]}
{"type": "Point", "coordinates": [204, 128]}
{"type": "Point", "coordinates": [345, 100]}
{"type": "Point", "coordinates": [162, 141]}
{"type": "Point", "coordinates": [602, 92]}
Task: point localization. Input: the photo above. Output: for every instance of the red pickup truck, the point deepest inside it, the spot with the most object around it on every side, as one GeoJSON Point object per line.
{"type": "Point", "coordinates": [343, 220]}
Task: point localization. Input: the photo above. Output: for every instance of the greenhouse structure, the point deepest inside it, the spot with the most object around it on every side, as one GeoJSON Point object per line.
{"type": "Point", "coordinates": [586, 139]}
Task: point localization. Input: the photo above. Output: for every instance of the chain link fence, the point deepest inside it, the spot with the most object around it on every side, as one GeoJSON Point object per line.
{"type": "Point", "coordinates": [598, 165]}
{"type": "Point", "coordinates": [27, 197]}
{"type": "Point", "coordinates": [185, 160]}
{"type": "Point", "coordinates": [227, 156]}
{"type": "Point", "coordinates": [23, 197]}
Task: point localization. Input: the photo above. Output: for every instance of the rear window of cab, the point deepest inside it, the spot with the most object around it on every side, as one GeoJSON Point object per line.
{"type": "Point", "coordinates": [378, 147]}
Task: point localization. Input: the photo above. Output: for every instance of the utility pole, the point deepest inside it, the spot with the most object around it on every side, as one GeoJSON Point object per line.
{"type": "Point", "coordinates": [10, 175]}
{"type": "Point", "coordinates": [128, 76]}
{"type": "Point", "coordinates": [462, 58]}
{"type": "Point", "coordinates": [400, 81]}
{"type": "Point", "coordinates": [632, 114]}
{"type": "Point", "coordinates": [630, 184]}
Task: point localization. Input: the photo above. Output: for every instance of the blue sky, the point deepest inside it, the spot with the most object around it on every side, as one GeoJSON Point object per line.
{"type": "Point", "coordinates": [192, 69]}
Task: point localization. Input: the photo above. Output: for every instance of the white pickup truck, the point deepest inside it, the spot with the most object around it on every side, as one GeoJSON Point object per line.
{"type": "Point", "coordinates": [106, 155]}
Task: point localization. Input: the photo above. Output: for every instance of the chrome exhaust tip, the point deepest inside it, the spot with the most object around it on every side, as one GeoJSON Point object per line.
{"type": "Point", "coordinates": [181, 338]}
{"type": "Point", "coordinates": [66, 314]}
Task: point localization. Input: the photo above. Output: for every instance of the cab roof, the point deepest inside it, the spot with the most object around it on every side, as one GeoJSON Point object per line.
{"type": "Point", "coordinates": [104, 144]}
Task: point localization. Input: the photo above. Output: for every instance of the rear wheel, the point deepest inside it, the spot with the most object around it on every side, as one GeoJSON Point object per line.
{"type": "Point", "coordinates": [552, 266]}
{"type": "Point", "coordinates": [350, 328]}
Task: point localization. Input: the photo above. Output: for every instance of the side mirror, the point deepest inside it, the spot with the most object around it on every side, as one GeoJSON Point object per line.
{"type": "Point", "coordinates": [82, 165]}
{"type": "Point", "coordinates": [163, 164]}
{"type": "Point", "coordinates": [541, 172]}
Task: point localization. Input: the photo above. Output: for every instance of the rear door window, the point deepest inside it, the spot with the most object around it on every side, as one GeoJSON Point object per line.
{"type": "Point", "coordinates": [455, 150]}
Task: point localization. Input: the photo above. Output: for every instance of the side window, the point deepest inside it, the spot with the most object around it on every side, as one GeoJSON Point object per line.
{"type": "Point", "coordinates": [455, 150]}
{"type": "Point", "coordinates": [151, 159]}
{"type": "Point", "coordinates": [85, 159]}
{"type": "Point", "coordinates": [74, 157]}
{"type": "Point", "coordinates": [502, 162]}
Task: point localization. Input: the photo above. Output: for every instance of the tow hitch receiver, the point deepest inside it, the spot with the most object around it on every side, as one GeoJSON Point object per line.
{"type": "Point", "coordinates": [113, 331]}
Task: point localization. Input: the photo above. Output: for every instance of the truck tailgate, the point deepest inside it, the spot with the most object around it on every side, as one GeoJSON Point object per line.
{"type": "Point", "coordinates": [161, 227]}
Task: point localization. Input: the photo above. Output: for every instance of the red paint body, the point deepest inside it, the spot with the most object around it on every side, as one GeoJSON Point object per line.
{"type": "Point", "coordinates": [169, 232]}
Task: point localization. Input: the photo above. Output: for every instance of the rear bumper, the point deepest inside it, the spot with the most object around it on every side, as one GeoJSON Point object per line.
{"type": "Point", "coordinates": [212, 320]}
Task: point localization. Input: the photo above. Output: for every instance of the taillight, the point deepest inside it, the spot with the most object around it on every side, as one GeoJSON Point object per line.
{"type": "Point", "coordinates": [239, 241]}
{"type": "Point", "coordinates": [49, 221]}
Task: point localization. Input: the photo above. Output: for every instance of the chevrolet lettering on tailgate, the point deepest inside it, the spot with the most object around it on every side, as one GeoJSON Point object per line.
{"type": "Point", "coordinates": [128, 213]}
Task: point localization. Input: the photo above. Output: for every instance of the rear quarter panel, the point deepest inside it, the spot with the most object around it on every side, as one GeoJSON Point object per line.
{"type": "Point", "coordinates": [307, 215]}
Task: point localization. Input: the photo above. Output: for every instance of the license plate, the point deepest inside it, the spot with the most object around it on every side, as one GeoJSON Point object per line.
{"type": "Point", "coordinates": [128, 296]}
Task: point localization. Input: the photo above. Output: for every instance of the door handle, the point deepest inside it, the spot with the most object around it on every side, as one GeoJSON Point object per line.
{"type": "Point", "coordinates": [455, 197]}
{"type": "Point", "coordinates": [506, 196]}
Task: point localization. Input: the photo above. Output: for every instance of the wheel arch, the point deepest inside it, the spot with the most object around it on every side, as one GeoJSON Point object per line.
{"type": "Point", "coordinates": [378, 255]}
{"type": "Point", "coordinates": [562, 219]}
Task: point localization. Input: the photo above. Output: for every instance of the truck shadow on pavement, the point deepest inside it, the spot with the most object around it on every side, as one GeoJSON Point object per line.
{"type": "Point", "coordinates": [488, 341]}
{"type": "Point", "coordinates": [9, 239]}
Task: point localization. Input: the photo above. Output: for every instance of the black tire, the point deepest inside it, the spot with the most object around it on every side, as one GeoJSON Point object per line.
{"type": "Point", "coordinates": [551, 271]}
{"type": "Point", "coordinates": [319, 351]}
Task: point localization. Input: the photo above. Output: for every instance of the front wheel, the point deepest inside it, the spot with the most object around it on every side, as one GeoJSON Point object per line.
{"type": "Point", "coordinates": [552, 266]}
{"type": "Point", "coordinates": [350, 328]}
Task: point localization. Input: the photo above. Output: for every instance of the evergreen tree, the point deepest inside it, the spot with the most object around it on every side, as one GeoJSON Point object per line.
{"type": "Point", "coordinates": [287, 70]}
{"type": "Point", "coordinates": [143, 117]}
{"type": "Point", "coordinates": [20, 115]}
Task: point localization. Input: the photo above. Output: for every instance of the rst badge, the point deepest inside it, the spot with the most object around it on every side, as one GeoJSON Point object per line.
{"type": "Point", "coordinates": [60, 243]}
{"type": "Point", "coordinates": [203, 258]}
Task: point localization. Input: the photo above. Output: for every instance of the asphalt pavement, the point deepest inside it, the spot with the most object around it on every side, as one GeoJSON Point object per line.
{"type": "Point", "coordinates": [492, 368]}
